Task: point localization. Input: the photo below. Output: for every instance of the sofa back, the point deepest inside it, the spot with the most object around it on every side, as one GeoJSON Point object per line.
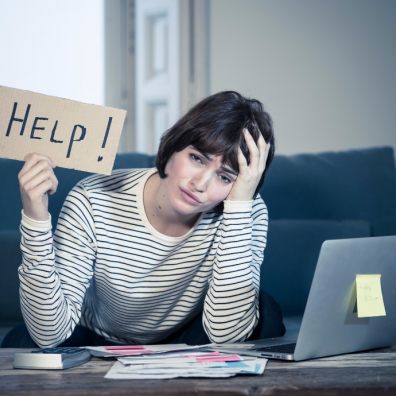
{"type": "Point", "coordinates": [68, 178]}
{"type": "Point", "coordinates": [315, 197]}
{"type": "Point", "coordinates": [355, 184]}
{"type": "Point", "coordinates": [310, 198]}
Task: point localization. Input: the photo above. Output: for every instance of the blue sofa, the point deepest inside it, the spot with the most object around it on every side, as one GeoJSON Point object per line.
{"type": "Point", "coordinates": [310, 198]}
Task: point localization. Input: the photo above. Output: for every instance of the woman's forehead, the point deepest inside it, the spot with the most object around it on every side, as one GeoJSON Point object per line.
{"type": "Point", "coordinates": [225, 162]}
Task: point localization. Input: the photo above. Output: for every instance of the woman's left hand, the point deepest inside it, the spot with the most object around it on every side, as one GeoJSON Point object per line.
{"type": "Point", "coordinates": [250, 174]}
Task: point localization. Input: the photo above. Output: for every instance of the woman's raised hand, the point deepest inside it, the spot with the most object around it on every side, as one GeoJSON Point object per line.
{"type": "Point", "coordinates": [36, 181]}
{"type": "Point", "coordinates": [249, 174]}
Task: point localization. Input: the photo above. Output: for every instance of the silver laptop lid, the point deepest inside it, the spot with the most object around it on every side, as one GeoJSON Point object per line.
{"type": "Point", "coordinates": [330, 325]}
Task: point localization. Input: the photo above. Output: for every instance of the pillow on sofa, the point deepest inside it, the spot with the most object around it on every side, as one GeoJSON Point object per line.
{"type": "Point", "coordinates": [355, 184]}
{"type": "Point", "coordinates": [291, 255]}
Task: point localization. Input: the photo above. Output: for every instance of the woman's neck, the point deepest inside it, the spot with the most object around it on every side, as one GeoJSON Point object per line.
{"type": "Point", "coordinates": [159, 211]}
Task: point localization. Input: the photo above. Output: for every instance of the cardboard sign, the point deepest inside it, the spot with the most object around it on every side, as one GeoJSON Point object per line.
{"type": "Point", "coordinates": [73, 134]}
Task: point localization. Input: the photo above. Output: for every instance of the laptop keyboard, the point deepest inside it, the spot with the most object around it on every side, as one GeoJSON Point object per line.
{"type": "Point", "coordinates": [283, 348]}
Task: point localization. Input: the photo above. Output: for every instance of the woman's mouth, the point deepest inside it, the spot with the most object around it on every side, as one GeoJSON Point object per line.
{"type": "Point", "coordinates": [190, 197]}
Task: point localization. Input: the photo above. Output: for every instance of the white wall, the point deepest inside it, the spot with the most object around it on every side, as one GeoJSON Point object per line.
{"type": "Point", "coordinates": [53, 47]}
{"type": "Point", "coordinates": [325, 69]}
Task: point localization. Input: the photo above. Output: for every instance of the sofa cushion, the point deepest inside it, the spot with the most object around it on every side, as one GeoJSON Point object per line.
{"type": "Point", "coordinates": [354, 184]}
{"type": "Point", "coordinates": [292, 252]}
{"type": "Point", "coordinates": [10, 202]}
{"type": "Point", "coordinates": [134, 160]}
{"type": "Point", "coordinates": [10, 312]}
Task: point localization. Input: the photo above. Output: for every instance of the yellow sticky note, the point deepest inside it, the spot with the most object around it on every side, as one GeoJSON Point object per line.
{"type": "Point", "coordinates": [369, 296]}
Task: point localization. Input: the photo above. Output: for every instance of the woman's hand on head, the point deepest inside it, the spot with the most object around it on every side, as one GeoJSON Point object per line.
{"type": "Point", "coordinates": [250, 174]}
{"type": "Point", "coordinates": [36, 181]}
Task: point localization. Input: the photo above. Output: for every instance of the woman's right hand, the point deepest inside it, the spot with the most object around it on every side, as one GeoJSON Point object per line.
{"type": "Point", "coordinates": [36, 181]}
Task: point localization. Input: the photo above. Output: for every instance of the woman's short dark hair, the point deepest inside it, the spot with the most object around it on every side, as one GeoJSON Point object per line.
{"type": "Point", "coordinates": [214, 126]}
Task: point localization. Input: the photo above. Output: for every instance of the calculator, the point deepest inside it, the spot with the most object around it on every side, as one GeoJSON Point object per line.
{"type": "Point", "coordinates": [54, 358]}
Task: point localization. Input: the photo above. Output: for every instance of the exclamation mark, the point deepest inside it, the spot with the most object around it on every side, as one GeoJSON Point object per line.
{"type": "Point", "coordinates": [106, 136]}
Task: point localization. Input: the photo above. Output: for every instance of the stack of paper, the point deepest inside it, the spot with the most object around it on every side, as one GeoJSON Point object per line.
{"type": "Point", "coordinates": [137, 350]}
{"type": "Point", "coordinates": [176, 360]}
{"type": "Point", "coordinates": [185, 364]}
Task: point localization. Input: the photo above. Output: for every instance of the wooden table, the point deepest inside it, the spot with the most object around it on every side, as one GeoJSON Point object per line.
{"type": "Point", "coordinates": [370, 373]}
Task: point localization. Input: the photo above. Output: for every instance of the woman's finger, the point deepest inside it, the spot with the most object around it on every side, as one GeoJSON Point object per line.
{"type": "Point", "coordinates": [253, 149]}
{"type": "Point", "coordinates": [242, 162]}
{"type": "Point", "coordinates": [54, 184]}
{"type": "Point", "coordinates": [44, 179]}
{"type": "Point", "coordinates": [264, 150]}
{"type": "Point", "coordinates": [31, 160]}
{"type": "Point", "coordinates": [39, 190]}
{"type": "Point", "coordinates": [34, 170]}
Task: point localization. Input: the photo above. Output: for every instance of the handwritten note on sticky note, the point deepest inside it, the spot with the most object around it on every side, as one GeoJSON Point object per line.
{"type": "Point", "coordinates": [369, 296]}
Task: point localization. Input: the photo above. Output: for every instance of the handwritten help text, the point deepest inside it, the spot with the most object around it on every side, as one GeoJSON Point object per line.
{"type": "Point", "coordinates": [74, 134]}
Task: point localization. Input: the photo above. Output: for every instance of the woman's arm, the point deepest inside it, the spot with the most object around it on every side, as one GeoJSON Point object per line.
{"type": "Point", "coordinates": [231, 304]}
{"type": "Point", "coordinates": [55, 271]}
{"type": "Point", "coordinates": [231, 309]}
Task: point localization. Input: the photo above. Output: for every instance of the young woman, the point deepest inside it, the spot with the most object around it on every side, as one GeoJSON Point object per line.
{"type": "Point", "coordinates": [139, 254]}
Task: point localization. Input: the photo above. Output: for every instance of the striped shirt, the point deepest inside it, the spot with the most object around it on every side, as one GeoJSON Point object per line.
{"type": "Point", "coordinates": [107, 268]}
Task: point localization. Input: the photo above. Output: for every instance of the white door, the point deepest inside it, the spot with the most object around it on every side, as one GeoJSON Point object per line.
{"type": "Point", "coordinates": [170, 56]}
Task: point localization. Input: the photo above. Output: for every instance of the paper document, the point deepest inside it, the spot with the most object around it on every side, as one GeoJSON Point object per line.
{"type": "Point", "coordinates": [137, 350]}
{"type": "Point", "coordinates": [185, 364]}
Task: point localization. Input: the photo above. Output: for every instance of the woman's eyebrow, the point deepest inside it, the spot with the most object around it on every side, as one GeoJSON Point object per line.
{"type": "Point", "coordinates": [224, 167]}
{"type": "Point", "coordinates": [207, 156]}
{"type": "Point", "coordinates": [229, 170]}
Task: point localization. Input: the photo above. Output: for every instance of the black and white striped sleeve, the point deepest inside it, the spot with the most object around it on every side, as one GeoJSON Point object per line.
{"type": "Point", "coordinates": [231, 304]}
{"type": "Point", "coordinates": [56, 270]}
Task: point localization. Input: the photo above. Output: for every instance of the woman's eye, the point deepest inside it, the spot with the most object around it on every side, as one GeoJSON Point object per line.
{"type": "Point", "coordinates": [196, 158]}
{"type": "Point", "coordinates": [225, 179]}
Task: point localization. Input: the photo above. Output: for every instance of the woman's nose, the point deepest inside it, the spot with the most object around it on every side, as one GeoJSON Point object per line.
{"type": "Point", "coordinates": [201, 180]}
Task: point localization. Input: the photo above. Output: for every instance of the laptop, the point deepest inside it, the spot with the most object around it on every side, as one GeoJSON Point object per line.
{"type": "Point", "coordinates": [330, 324]}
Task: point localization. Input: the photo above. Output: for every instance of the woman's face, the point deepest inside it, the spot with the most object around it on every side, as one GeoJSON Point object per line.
{"type": "Point", "coordinates": [196, 182]}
